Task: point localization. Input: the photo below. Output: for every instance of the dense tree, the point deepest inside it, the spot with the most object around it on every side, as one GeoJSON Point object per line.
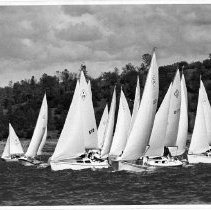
{"type": "Point", "coordinates": [20, 101]}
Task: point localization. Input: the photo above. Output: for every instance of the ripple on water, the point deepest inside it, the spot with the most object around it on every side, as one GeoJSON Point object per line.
{"type": "Point", "coordinates": [30, 186]}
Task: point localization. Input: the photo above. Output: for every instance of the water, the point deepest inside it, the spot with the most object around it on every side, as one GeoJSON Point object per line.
{"type": "Point", "coordinates": [21, 185]}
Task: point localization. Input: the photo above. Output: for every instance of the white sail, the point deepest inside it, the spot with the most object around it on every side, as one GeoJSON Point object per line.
{"type": "Point", "coordinates": [39, 130]}
{"type": "Point", "coordinates": [156, 142]}
{"type": "Point", "coordinates": [183, 121]}
{"type": "Point", "coordinates": [102, 127]}
{"type": "Point", "coordinates": [39, 152]}
{"type": "Point", "coordinates": [141, 130]}
{"type": "Point", "coordinates": [199, 141]}
{"type": "Point", "coordinates": [87, 115]}
{"type": "Point", "coordinates": [207, 111]}
{"type": "Point", "coordinates": [174, 112]}
{"type": "Point", "coordinates": [90, 89]}
{"type": "Point", "coordinates": [6, 152]}
{"type": "Point", "coordinates": [136, 103]}
{"type": "Point", "coordinates": [110, 126]}
{"type": "Point", "coordinates": [122, 127]}
{"type": "Point", "coordinates": [71, 141]}
{"type": "Point", "coordinates": [15, 144]}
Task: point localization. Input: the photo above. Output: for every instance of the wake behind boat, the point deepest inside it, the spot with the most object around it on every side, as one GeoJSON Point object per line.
{"type": "Point", "coordinates": [78, 139]}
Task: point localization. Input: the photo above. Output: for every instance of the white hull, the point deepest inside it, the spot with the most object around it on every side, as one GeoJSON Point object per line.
{"type": "Point", "coordinates": [127, 166]}
{"type": "Point", "coordinates": [43, 165]}
{"type": "Point", "coordinates": [164, 162]}
{"type": "Point", "coordinates": [193, 159]}
{"type": "Point", "coordinates": [62, 165]}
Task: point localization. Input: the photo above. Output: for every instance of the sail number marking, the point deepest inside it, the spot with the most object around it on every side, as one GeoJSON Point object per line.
{"type": "Point", "coordinates": [176, 111]}
{"type": "Point", "coordinates": [83, 94]}
{"type": "Point", "coordinates": [153, 80]}
{"type": "Point", "coordinates": [176, 93]}
{"type": "Point", "coordinates": [91, 131]}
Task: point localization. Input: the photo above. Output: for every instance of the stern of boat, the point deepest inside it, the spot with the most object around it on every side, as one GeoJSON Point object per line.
{"type": "Point", "coordinates": [198, 158]}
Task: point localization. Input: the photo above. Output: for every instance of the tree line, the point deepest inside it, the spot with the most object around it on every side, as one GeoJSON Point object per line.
{"type": "Point", "coordinates": [20, 101]}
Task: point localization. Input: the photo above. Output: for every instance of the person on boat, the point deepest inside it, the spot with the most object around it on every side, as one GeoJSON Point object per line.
{"type": "Point", "coordinates": [82, 156]}
{"type": "Point", "coordinates": [90, 155]}
{"type": "Point", "coordinates": [166, 152]}
{"type": "Point", "coordinates": [208, 152]}
{"type": "Point", "coordinates": [145, 160]}
{"type": "Point", "coordinates": [15, 156]}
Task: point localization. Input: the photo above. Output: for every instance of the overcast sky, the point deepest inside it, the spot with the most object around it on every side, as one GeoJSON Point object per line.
{"type": "Point", "coordinates": [43, 39]}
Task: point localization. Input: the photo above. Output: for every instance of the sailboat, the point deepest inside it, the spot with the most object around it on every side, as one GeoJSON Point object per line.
{"type": "Point", "coordinates": [136, 103]}
{"type": "Point", "coordinates": [141, 130]}
{"type": "Point", "coordinates": [122, 128]}
{"type": "Point", "coordinates": [42, 144]}
{"type": "Point", "coordinates": [13, 149]}
{"type": "Point", "coordinates": [110, 128]}
{"type": "Point", "coordinates": [165, 128]}
{"type": "Point", "coordinates": [183, 122]}
{"type": "Point", "coordinates": [102, 127]}
{"type": "Point", "coordinates": [38, 138]}
{"type": "Point", "coordinates": [207, 114]}
{"type": "Point", "coordinates": [199, 146]}
{"type": "Point", "coordinates": [79, 134]}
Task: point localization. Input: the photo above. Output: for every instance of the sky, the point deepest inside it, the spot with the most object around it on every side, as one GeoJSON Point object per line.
{"type": "Point", "coordinates": [45, 39]}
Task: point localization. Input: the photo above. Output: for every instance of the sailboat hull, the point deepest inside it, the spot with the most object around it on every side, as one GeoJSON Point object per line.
{"type": "Point", "coordinates": [194, 159]}
{"type": "Point", "coordinates": [62, 165]}
{"type": "Point", "coordinates": [164, 162]}
{"type": "Point", "coordinates": [127, 166]}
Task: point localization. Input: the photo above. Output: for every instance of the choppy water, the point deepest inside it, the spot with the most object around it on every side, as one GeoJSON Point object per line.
{"type": "Point", "coordinates": [21, 185]}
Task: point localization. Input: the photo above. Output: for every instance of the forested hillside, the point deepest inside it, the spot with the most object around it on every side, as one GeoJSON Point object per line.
{"type": "Point", "coordinates": [20, 101]}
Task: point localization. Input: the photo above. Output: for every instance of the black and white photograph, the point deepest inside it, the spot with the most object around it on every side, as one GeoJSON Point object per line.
{"type": "Point", "coordinates": [105, 104]}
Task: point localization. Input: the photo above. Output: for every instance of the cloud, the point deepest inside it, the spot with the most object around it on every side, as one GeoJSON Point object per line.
{"type": "Point", "coordinates": [77, 10]}
{"type": "Point", "coordinates": [41, 39]}
{"type": "Point", "coordinates": [80, 32]}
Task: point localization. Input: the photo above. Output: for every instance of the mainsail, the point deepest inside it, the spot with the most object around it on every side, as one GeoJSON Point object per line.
{"type": "Point", "coordinates": [174, 112]}
{"type": "Point", "coordinates": [110, 126]}
{"type": "Point", "coordinates": [207, 110]}
{"type": "Point", "coordinates": [87, 115]}
{"type": "Point", "coordinates": [141, 130]}
{"type": "Point", "coordinates": [71, 142]}
{"type": "Point", "coordinates": [102, 127]}
{"type": "Point", "coordinates": [136, 103]}
{"type": "Point", "coordinates": [89, 87]}
{"type": "Point", "coordinates": [13, 144]}
{"type": "Point", "coordinates": [156, 142]}
{"type": "Point", "coordinates": [183, 121]}
{"type": "Point", "coordinates": [39, 130]}
{"type": "Point", "coordinates": [199, 141]}
{"type": "Point", "coordinates": [42, 144]}
{"type": "Point", "coordinates": [79, 131]}
{"type": "Point", "coordinates": [122, 127]}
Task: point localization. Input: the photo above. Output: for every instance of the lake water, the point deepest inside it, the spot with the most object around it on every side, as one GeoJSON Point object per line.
{"type": "Point", "coordinates": [21, 185]}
